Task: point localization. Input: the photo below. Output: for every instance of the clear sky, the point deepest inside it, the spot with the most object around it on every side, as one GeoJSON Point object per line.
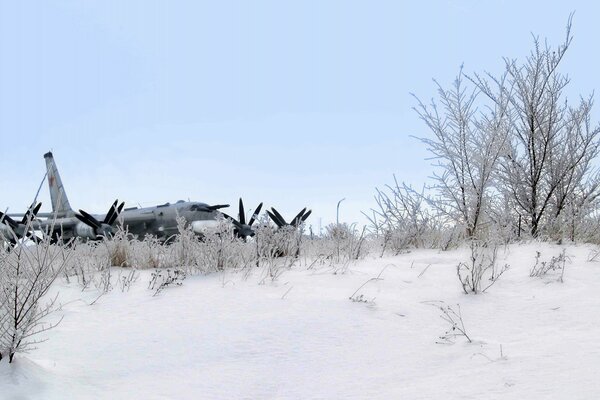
{"type": "Point", "coordinates": [294, 103]}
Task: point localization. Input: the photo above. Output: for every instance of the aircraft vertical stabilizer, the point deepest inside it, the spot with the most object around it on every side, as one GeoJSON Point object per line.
{"type": "Point", "coordinates": [60, 202]}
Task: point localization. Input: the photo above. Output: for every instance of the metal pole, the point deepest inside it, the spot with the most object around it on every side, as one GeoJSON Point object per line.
{"type": "Point", "coordinates": [337, 216]}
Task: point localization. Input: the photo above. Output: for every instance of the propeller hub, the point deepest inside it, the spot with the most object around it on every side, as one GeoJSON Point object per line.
{"type": "Point", "coordinates": [94, 229]}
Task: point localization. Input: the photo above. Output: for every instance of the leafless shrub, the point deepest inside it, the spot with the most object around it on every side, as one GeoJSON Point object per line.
{"type": "Point", "coordinates": [403, 219]}
{"type": "Point", "coordinates": [26, 275]}
{"type": "Point", "coordinates": [83, 263]}
{"type": "Point", "coordinates": [482, 265]}
{"type": "Point", "coordinates": [118, 257]}
{"type": "Point", "coordinates": [149, 252]}
{"type": "Point", "coordinates": [119, 248]}
{"type": "Point", "coordinates": [162, 279]}
{"type": "Point", "coordinates": [449, 237]}
{"type": "Point", "coordinates": [504, 223]}
{"type": "Point", "coordinates": [277, 250]}
{"type": "Point", "coordinates": [454, 318]}
{"type": "Point", "coordinates": [103, 280]}
{"type": "Point", "coordinates": [594, 255]}
{"type": "Point", "coordinates": [541, 268]}
{"type": "Point", "coordinates": [186, 243]}
{"type": "Point", "coordinates": [125, 281]}
{"type": "Point", "coordinates": [103, 283]}
{"type": "Point", "coordinates": [341, 245]}
{"type": "Point", "coordinates": [585, 224]}
{"type": "Point", "coordinates": [219, 250]}
{"type": "Point", "coordinates": [348, 241]}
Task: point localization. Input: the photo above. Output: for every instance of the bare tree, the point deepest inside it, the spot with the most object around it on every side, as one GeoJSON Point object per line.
{"type": "Point", "coordinates": [467, 145]}
{"type": "Point", "coordinates": [577, 191]}
{"type": "Point", "coordinates": [551, 144]}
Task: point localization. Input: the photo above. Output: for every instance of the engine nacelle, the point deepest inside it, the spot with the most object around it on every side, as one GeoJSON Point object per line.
{"type": "Point", "coordinates": [84, 231]}
{"type": "Point", "coordinates": [205, 226]}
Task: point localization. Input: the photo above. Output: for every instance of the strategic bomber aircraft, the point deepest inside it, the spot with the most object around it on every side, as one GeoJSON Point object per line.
{"type": "Point", "coordinates": [64, 224]}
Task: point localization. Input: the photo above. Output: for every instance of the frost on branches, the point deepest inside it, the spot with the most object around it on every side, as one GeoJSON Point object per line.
{"type": "Point", "coordinates": [512, 156]}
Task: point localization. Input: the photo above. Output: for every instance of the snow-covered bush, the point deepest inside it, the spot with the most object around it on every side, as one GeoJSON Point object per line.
{"type": "Point", "coordinates": [148, 253]}
{"type": "Point", "coordinates": [347, 240]}
{"type": "Point", "coordinates": [403, 219]}
{"type": "Point", "coordinates": [26, 274]}
{"type": "Point", "coordinates": [455, 321]}
{"type": "Point", "coordinates": [277, 249]}
{"type": "Point", "coordinates": [84, 262]}
{"type": "Point", "coordinates": [543, 267]}
{"type": "Point", "coordinates": [119, 248]}
{"type": "Point", "coordinates": [161, 279]}
{"type": "Point", "coordinates": [481, 271]}
{"type": "Point", "coordinates": [216, 251]}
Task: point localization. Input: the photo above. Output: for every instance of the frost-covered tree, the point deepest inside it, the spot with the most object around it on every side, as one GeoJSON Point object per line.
{"type": "Point", "coordinates": [466, 144]}
{"type": "Point", "coordinates": [551, 143]}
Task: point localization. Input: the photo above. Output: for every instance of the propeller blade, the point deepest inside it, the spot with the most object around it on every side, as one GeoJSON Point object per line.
{"type": "Point", "coordinates": [37, 209]}
{"type": "Point", "coordinates": [233, 220]}
{"type": "Point", "coordinates": [8, 220]}
{"type": "Point", "coordinates": [111, 213]}
{"type": "Point", "coordinates": [273, 218]}
{"type": "Point", "coordinates": [31, 236]}
{"type": "Point", "coordinates": [84, 220]}
{"type": "Point", "coordinates": [115, 214]}
{"type": "Point", "coordinates": [276, 219]}
{"type": "Point", "coordinates": [281, 219]}
{"type": "Point", "coordinates": [305, 216]}
{"type": "Point", "coordinates": [297, 217]}
{"type": "Point", "coordinates": [256, 212]}
{"type": "Point", "coordinates": [31, 211]}
{"type": "Point", "coordinates": [88, 219]}
{"type": "Point", "coordinates": [26, 215]}
{"type": "Point", "coordinates": [242, 214]}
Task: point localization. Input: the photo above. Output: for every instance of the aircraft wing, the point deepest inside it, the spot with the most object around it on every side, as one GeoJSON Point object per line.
{"type": "Point", "coordinates": [58, 223]}
{"type": "Point", "coordinates": [39, 215]}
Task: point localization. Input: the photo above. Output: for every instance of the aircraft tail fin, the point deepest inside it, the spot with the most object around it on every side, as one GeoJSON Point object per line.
{"type": "Point", "coordinates": [58, 196]}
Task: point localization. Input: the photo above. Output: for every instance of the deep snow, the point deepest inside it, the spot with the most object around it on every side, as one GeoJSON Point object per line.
{"type": "Point", "coordinates": [225, 337]}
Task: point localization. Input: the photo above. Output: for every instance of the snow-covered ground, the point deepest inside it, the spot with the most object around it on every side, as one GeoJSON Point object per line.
{"type": "Point", "coordinates": [225, 337]}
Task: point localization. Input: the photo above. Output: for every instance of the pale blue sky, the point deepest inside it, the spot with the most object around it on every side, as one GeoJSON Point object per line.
{"type": "Point", "coordinates": [291, 103]}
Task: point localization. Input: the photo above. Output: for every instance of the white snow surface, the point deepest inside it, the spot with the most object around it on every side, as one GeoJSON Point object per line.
{"type": "Point", "coordinates": [221, 336]}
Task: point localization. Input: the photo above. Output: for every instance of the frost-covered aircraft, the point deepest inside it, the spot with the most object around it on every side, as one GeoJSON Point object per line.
{"type": "Point", "coordinates": [63, 223]}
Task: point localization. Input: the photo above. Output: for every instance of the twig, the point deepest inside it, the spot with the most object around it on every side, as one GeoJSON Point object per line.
{"type": "Point", "coordinates": [453, 318]}
{"type": "Point", "coordinates": [377, 278]}
{"type": "Point", "coordinates": [285, 294]}
{"type": "Point", "coordinates": [422, 272]}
